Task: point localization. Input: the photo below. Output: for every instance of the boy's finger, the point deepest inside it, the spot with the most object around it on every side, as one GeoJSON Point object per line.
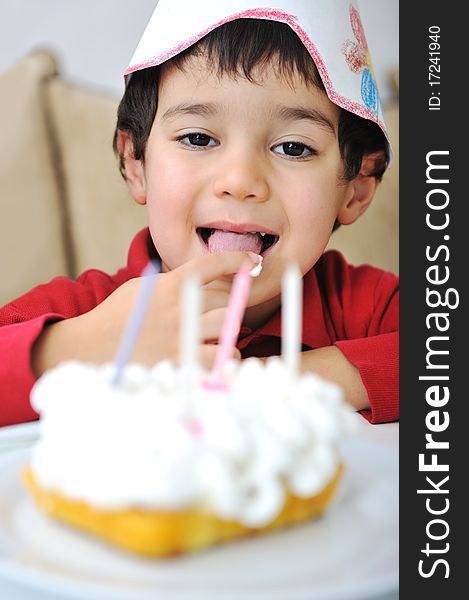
{"type": "Point", "coordinates": [212, 266]}
{"type": "Point", "coordinates": [211, 324]}
{"type": "Point", "coordinates": [208, 353]}
{"type": "Point", "coordinates": [213, 299]}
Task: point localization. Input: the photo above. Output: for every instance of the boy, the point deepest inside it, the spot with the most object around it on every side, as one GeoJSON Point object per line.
{"type": "Point", "coordinates": [238, 147]}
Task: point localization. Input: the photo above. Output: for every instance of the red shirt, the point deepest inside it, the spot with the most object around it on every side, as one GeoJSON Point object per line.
{"type": "Point", "coordinates": [353, 308]}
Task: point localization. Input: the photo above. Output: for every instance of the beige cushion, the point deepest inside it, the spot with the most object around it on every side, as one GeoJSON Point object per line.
{"type": "Point", "coordinates": [103, 215]}
{"type": "Point", "coordinates": [31, 234]}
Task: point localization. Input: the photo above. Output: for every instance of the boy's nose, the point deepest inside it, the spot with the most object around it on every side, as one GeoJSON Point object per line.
{"type": "Point", "coordinates": [241, 178]}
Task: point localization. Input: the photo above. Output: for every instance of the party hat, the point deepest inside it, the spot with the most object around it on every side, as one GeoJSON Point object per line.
{"type": "Point", "coordinates": [331, 31]}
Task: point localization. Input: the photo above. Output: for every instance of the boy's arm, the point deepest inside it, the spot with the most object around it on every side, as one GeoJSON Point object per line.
{"type": "Point", "coordinates": [368, 371]}
{"type": "Point", "coordinates": [16, 375]}
{"type": "Point", "coordinates": [360, 313]}
{"type": "Point", "coordinates": [22, 323]}
{"type": "Point", "coordinates": [29, 346]}
{"type": "Point", "coordinates": [95, 336]}
{"type": "Point", "coordinates": [330, 363]}
{"type": "Point", "coordinates": [24, 320]}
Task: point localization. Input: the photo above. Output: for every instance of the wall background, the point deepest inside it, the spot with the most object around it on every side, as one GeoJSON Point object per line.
{"type": "Point", "coordinates": [95, 39]}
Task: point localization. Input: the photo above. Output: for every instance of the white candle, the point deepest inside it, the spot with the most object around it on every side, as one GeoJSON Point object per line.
{"type": "Point", "coordinates": [292, 308]}
{"type": "Point", "coordinates": [190, 328]}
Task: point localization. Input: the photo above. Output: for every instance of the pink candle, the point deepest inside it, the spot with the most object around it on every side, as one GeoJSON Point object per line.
{"type": "Point", "coordinates": [231, 326]}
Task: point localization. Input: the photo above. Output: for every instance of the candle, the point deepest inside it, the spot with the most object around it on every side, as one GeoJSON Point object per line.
{"type": "Point", "coordinates": [135, 321]}
{"type": "Point", "coordinates": [292, 308]}
{"type": "Point", "coordinates": [231, 326]}
{"type": "Point", "coordinates": [190, 329]}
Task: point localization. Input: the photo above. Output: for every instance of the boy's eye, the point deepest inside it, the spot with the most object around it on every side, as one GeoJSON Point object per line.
{"type": "Point", "coordinates": [294, 149]}
{"type": "Point", "coordinates": [197, 139]}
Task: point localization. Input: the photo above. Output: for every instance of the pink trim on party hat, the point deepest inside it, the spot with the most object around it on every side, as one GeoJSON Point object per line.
{"type": "Point", "coordinates": [282, 17]}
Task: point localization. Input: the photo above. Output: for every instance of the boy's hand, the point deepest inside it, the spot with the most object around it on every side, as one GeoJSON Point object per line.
{"type": "Point", "coordinates": [96, 335]}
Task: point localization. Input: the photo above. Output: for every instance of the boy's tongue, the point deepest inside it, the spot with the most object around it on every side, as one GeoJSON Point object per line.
{"type": "Point", "coordinates": [226, 241]}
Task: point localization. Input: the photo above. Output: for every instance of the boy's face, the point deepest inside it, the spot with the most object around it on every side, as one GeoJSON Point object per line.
{"type": "Point", "coordinates": [227, 159]}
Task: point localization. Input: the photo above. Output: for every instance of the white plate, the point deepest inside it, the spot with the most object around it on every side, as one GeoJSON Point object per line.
{"type": "Point", "coordinates": [349, 554]}
{"type": "Point", "coordinates": [16, 436]}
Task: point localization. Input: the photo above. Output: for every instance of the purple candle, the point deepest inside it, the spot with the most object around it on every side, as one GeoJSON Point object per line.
{"type": "Point", "coordinates": [134, 324]}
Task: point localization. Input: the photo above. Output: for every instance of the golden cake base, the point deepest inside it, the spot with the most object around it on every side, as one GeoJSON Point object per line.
{"type": "Point", "coordinates": [168, 533]}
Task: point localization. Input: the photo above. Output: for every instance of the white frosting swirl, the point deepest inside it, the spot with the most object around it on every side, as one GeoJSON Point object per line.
{"type": "Point", "coordinates": [160, 440]}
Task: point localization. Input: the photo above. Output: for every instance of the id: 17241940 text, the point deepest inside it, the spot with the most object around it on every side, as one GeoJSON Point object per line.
{"type": "Point", "coordinates": [434, 67]}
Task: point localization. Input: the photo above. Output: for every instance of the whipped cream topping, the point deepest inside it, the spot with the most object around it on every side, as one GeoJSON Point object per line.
{"type": "Point", "coordinates": [256, 271]}
{"type": "Point", "coordinates": [160, 440]}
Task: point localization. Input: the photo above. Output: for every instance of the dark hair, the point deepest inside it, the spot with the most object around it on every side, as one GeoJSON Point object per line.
{"type": "Point", "coordinates": [235, 49]}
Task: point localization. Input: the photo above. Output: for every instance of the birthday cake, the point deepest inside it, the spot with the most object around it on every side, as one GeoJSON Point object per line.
{"type": "Point", "coordinates": [160, 465]}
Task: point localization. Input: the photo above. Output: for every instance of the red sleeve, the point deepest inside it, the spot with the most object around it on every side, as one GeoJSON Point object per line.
{"type": "Point", "coordinates": [377, 359]}
{"type": "Point", "coordinates": [21, 323]}
{"type": "Point", "coordinates": [363, 306]}
{"type": "Point", "coordinates": [16, 376]}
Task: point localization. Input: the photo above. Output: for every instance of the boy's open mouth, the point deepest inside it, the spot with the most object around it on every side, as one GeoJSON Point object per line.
{"type": "Point", "coordinates": [225, 240]}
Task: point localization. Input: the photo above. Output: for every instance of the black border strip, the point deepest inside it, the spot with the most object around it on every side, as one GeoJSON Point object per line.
{"type": "Point", "coordinates": [433, 131]}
